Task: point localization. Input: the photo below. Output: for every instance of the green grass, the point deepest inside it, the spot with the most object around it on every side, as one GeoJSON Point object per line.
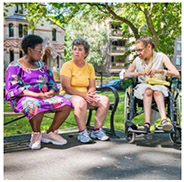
{"type": "Point", "coordinates": [22, 126]}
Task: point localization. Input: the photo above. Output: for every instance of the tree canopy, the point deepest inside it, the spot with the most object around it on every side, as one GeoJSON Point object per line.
{"type": "Point", "coordinates": [160, 21]}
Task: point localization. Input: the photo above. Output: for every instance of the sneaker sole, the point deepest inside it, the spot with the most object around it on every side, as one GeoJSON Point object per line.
{"type": "Point", "coordinates": [99, 139]}
{"type": "Point", "coordinates": [34, 148]}
{"type": "Point", "coordinates": [44, 140]}
{"type": "Point", "coordinates": [90, 141]}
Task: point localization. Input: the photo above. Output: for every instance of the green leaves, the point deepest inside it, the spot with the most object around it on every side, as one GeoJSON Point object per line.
{"type": "Point", "coordinates": [161, 21]}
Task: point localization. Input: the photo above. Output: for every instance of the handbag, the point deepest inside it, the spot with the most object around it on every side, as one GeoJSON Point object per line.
{"type": "Point", "coordinates": [157, 81]}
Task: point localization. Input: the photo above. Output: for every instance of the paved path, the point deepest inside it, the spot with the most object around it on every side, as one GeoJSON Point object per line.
{"type": "Point", "coordinates": [154, 159]}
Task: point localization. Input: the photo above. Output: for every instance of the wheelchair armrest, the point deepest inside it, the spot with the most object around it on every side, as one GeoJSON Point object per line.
{"type": "Point", "coordinates": [174, 82]}
{"type": "Point", "coordinates": [115, 94]}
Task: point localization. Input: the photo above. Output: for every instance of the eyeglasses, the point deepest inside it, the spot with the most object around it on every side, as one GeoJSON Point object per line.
{"type": "Point", "coordinates": [38, 51]}
{"type": "Point", "coordinates": [140, 50]}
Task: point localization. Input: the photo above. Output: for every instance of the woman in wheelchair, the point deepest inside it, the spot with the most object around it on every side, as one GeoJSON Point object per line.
{"type": "Point", "coordinates": [151, 64]}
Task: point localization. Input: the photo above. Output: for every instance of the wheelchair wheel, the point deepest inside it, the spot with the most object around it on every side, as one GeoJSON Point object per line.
{"type": "Point", "coordinates": [177, 106]}
{"type": "Point", "coordinates": [176, 137]}
{"type": "Point", "coordinates": [127, 103]}
{"type": "Point", "coordinates": [130, 137]}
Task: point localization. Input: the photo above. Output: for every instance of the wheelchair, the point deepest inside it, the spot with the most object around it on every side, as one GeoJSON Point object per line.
{"type": "Point", "coordinates": [134, 107]}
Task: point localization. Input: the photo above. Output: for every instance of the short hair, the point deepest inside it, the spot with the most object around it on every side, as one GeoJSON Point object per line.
{"type": "Point", "coordinates": [146, 41]}
{"type": "Point", "coordinates": [80, 41]}
{"type": "Point", "coordinates": [30, 41]}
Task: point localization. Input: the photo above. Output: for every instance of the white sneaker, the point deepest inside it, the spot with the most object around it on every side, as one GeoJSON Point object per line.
{"type": "Point", "coordinates": [54, 138]}
{"type": "Point", "coordinates": [35, 142]}
{"type": "Point", "coordinates": [84, 137]}
{"type": "Point", "coordinates": [99, 134]}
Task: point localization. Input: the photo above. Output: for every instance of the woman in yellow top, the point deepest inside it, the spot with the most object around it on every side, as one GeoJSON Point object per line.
{"type": "Point", "coordinates": [78, 85]}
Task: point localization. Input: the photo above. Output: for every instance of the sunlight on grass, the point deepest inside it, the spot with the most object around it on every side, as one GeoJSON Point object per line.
{"type": "Point", "coordinates": [22, 126]}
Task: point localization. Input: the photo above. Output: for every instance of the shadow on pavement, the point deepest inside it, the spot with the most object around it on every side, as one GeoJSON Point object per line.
{"type": "Point", "coordinates": [19, 143]}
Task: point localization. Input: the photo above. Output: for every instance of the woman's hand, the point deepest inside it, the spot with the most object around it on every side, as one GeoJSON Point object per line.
{"type": "Point", "coordinates": [49, 94]}
{"type": "Point", "coordinates": [91, 97]}
{"type": "Point", "coordinates": [141, 73]}
{"type": "Point", "coordinates": [42, 95]}
{"type": "Point", "coordinates": [153, 72]}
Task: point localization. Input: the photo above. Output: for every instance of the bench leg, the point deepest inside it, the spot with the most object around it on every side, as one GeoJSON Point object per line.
{"type": "Point", "coordinates": [89, 118]}
{"type": "Point", "coordinates": [112, 126]}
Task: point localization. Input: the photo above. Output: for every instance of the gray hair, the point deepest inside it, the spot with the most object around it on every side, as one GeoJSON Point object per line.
{"type": "Point", "coordinates": [146, 41]}
{"type": "Point", "coordinates": [83, 42]}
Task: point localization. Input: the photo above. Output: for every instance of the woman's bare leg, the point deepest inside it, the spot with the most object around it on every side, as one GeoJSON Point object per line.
{"type": "Point", "coordinates": [80, 111]}
{"type": "Point", "coordinates": [36, 122]}
{"type": "Point", "coordinates": [60, 116]}
{"type": "Point", "coordinates": [147, 101]}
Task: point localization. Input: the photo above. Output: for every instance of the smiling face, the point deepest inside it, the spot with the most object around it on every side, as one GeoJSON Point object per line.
{"type": "Point", "coordinates": [143, 51]}
{"type": "Point", "coordinates": [79, 53]}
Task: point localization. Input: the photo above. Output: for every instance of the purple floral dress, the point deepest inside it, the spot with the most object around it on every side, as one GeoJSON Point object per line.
{"type": "Point", "coordinates": [19, 78]}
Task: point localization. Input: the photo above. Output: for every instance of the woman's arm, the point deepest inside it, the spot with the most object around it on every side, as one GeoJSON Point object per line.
{"type": "Point", "coordinates": [32, 94]}
{"type": "Point", "coordinates": [172, 71]}
{"type": "Point", "coordinates": [65, 82]}
{"type": "Point", "coordinates": [92, 86]}
{"type": "Point", "coordinates": [89, 96]}
{"type": "Point", "coordinates": [131, 69]}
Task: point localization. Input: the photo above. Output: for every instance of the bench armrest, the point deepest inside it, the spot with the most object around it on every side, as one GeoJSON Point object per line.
{"type": "Point", "coordinates": [115, 93]}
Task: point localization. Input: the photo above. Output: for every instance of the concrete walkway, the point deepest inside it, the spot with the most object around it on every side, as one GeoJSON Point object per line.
{"type": "Point", "coordinates": [154, 159]}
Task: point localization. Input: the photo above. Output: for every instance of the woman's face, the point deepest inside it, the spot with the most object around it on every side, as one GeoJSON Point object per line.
{"type": "Point", "coordinates": [79, 53]}
{"type": "Point", "coordinates": [35, 53]}
{"type": "Point", "coordinates": [142, 50]}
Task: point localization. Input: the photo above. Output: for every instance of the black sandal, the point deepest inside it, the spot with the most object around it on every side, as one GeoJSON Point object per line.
{"type": "Point", "coordinates": [147, 127]}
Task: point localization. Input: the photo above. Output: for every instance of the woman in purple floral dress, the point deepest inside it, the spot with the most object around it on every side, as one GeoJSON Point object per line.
{"type": "Point", "coordinates": [30, 88]}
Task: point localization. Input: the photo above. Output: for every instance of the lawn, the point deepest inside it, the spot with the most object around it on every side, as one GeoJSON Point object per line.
{"type": "Point", "coordinates": [22, 126]}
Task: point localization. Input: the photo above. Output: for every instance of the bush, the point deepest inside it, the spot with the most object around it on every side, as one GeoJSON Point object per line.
{"type": "Point", "coordinates": [125, 84]}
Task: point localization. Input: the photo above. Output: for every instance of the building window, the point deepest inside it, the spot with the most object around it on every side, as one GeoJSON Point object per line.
{"type": "Point", "coordinates": [11, 30]}
{"type": "Point", "coordinates": [20, 54]}
{"type": "Point", "coordinates": [178, 60]}
{"type": "Point", "coordinates": [54, 35]}
{"type": "Point", "coordinates": [57, 61]}
{"type": "Point", "coordinates": [178, 46]}
{"type": "Point", "coordinates": [20, 30]}
{"type": "Point", "coordinates": [19, 8]}
{"type": "Point", "coordinates": [16, 8]}
{"type": "Point", "coordinates": [118, 43]}
{"type": "Point", "coordinates": [11, 55]}
{"type": "Point", "coordinates": [25, 30]}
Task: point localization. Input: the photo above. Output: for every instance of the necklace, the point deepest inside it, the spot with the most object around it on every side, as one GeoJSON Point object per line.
{"type": "Point", "coordinates": [147, 66]}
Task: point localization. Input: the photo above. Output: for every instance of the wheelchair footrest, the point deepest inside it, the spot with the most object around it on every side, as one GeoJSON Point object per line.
{"type": "Point", "coordinates": [137, 131]}
{"type": "Point", "coordinates": [158, 131]}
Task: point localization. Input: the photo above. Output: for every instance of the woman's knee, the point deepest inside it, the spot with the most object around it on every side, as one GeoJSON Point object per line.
{"type": "Point", "coordinates": [79, 103]}
{"type": "Point", "coordinates": [104, 101]}
{"type": "Point", "coordinates": [148, 93]}
{"type": "Point", "coordinates": [157, 93]}
{"type": "Point", "coordinates": [65, 108]}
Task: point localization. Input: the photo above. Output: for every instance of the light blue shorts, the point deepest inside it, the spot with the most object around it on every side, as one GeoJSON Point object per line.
{"type": "Point", "coordinates": [68, 96]}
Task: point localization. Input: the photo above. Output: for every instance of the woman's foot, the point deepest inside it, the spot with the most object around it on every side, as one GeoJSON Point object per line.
{"type": "Point", "coordinates": [35, 142]}
{"type": "Point", "coordinates": [54, 138]}
{"type": "Point", "coordinates": [146, 127]}
{"type": "Point", "coordinates": [166, 125]}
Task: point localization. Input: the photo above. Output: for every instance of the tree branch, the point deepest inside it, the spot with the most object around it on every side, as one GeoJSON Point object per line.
{"type": "Point", "coordinates": [130, 24]}
{"type": "Point", "coordinates": [148, 18]}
